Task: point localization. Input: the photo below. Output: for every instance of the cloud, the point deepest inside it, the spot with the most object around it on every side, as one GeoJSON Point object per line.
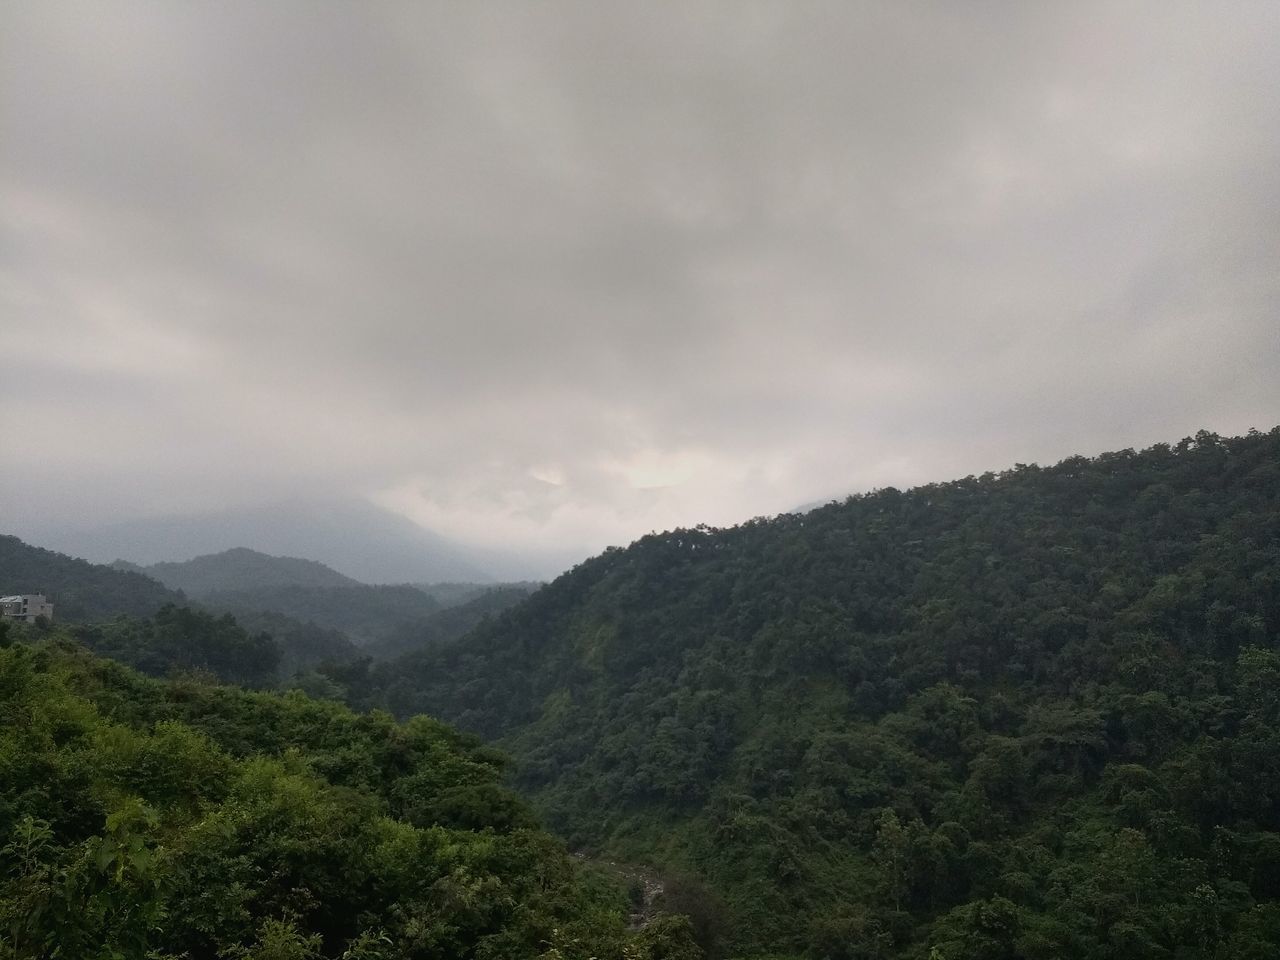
{"type": "Point", "coordinates": [570, 272]}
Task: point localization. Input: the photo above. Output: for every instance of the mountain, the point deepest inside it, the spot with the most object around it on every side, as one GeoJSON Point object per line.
{"type": "Point", "coordinates": [152, 819]}
{"type": "Point", "coordinates": [447, 625]}
{"type": "Point", "coordinates": [152, 628]}
{"type": "Point", "coordinates": [364, 613]}
{"type": "Point", "coordinates": [357, 539]}
{"type": "Point", "coordinates": [1030, 714]}
{"type": "Point", "coordinates": [243, 569]}
{"type": "Point", "coordinates": [79, 590]}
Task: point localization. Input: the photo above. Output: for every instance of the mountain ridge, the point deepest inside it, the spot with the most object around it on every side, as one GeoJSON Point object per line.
{"type": "Point", "coordinates": [240, 568]}
{"type": "Point", "coordinates": [846, 720]}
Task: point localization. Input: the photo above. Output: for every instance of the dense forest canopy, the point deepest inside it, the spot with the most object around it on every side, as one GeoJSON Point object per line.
{"type": "Point", "coordinates": [1028, 714]}
{"type": "Point", "coordinates": [181, 820]}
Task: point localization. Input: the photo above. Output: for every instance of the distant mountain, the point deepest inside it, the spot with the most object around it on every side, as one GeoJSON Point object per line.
{"type": "Point", "coordinates": [242, 569]}
{"type": "Point", "coordinates": [302, 644]}
{"type": "Point", "coordinates": [358, 539]}
{"type": "Point", "coordinates": [449, 624]}
{"type": "Point", "coordinates": [163, 631]}
{"type": "Point", "coordinates": [366, 614]}
{"type": "Point", "coordinates": [79, 590]}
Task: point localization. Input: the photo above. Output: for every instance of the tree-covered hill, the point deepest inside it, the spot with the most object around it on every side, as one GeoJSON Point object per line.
{"type": "Point", "coordinates": [1031, 714]}
{"type": "Point", "coordinates": [79, 590]}
{"type": "Point", "coordinates": [143, 819]}
{"type": "Point", "coordinates": [448, 624]}
{"type": "Point", "coordinates": [132, 618]}
{"type": "Point", "coordinates": [244, 569]}
{"type": "Point", "coordinates": [366, 614]}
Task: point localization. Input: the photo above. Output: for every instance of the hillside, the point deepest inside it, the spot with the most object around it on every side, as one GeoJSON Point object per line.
{"type": "Point", "coordinates": [244, 569]}
{"type": "Point", "coordinates": [148, 819]}
{"type": "Point", "coordinates": [1030, 714]}
{"type": "Point", "coordinates": [132, 618]}
{"type": "Point", "coordinates": [449, 624]}
{"type": "Point", "coordinates": [364, 613]}
{"type": "Point", "coordinates": [80, 590]}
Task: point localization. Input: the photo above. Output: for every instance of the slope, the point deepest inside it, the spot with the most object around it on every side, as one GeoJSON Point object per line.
{"type": "Point", "coordinates": [243, 569]}
{"type": "Point", "coordinates": [447, 625]}
{"type": "Point", "coordinates": [80, 590]}
{"type": "Point", "coordinates": [146, 819]}
{"type": "Point", "coordinates": [363, 612]}
{"type": "Point", "coordinates": [1027, 714]}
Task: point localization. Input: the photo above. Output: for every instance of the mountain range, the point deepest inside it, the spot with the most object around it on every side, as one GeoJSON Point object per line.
{"type": "Point", "coordinates": [356, 538]}
{"type": "Point", "coordinates": [1020, 716]}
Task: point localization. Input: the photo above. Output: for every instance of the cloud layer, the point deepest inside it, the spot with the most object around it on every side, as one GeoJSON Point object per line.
{"type": "Point", "coordinates": [568, 272]}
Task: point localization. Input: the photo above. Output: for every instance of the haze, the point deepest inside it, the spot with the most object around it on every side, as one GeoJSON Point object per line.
{"type": "Point", "coordinates": [555, 274]}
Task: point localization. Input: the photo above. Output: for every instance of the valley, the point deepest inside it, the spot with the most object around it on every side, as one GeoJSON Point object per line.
{"type": "Point", "coordinates": [1027, 714]}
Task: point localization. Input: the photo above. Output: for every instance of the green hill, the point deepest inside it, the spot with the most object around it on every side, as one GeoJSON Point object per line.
{"type": "Point", "coordinates": [79, 590]}
{"type": "Point", "coordinates": [447, 625]}
{"type": "Point", "coordinates": [132, 618]}
{"type": "Point", "coordinates": [243, 569]}
{"type": "Point", "coordinates": [1031, 714]}
{"type": "Point", "coordinates": [166, 820]}
{"type": "Point", "coordinates": [366, 614]}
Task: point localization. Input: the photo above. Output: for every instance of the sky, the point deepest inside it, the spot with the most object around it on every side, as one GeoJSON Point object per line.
{"type": "Point", "coordinates": [556, 274]}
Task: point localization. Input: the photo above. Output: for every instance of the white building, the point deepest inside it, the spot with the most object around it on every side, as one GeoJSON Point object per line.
{"type": "Point", "coordinates": [26, 607]}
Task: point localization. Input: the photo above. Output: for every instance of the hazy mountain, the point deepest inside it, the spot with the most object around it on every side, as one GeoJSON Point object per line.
{"type": "Point", "coordinates": [242, 569]}
{"type": "Point", "coordinates": [450, 623]}
{"type": "Point", "coordinates": [364, 612]}
{"type": "Point", "coordinates": [357, 539]}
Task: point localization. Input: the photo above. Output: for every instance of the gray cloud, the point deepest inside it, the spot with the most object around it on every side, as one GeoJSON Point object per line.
{"type": "Point", "coordinates": [570, 272]}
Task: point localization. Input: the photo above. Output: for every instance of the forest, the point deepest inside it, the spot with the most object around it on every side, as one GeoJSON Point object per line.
{"type": "Point", "coordinates": [1026, 715]}
{"type": "Point", "coordinates": [182, 819]}
{"type": "Point", "coordinates": [1030, 714]}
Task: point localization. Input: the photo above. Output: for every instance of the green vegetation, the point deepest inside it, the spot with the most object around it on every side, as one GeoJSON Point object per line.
{"type": "Point", "coordinates": [303, 646]}
{"type": "Point", "coordinates": [243, 569]}
{"type": "Point", "coordinates": [447, 625]}
{"type": "Point", "coordinates": [143, 819]}
{"type": "Point", "coordinates": [79, 590]}
{"type": "Point", "coordinates": [1033, 714]}
{"type": "Point", "coordinates": [366, 614]}
{"type": "Point", "coordinates": [182, 640]}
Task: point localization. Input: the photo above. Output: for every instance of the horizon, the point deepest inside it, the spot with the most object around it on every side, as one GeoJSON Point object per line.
{"type": "Point", "coordinates": [540, 281]}
{"type": "Point", "coordinates": [527, 573]}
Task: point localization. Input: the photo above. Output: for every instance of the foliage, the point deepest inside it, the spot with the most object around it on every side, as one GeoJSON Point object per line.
{"type": "Point", "coordinates": [1029, 714]}
{"type": "Point", "coordinates": [448, 624]}
{"type": "Point", "coordinates": [141, 818]}
{"type": "Point", "coordinates": [179, 639]}
{"type": "Point", "coordinates": [244, 569]}
{"type": "Point", "coordinates": [303, 645]}
{"type": "Point", "coordinates": [364, 613]}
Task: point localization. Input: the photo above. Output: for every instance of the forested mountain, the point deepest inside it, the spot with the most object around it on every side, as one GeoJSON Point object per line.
{"type": "Point", "coordinates": [79, 590]}
{"type": "Point", "coordinates": [1032, 714]}
{"type": "Point", "coordinates": [447, 625]}
{"type": "Point", "coordinates": [364, 613]}
{"type": "Point", "coordinates": [244, 569]}
{"type": "Point", "coordinates": [355, 538]}
{"type": "Point", "coordinates": [131, 617]}
{"type": "Point", "coordinates": [302, 645]}
{"type": "Point", "coordinates": [142, 819]}
{"type": "Point", "coordinates": [180, 640]}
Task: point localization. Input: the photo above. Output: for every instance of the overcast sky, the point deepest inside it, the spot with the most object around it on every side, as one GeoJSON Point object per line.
{"type": "Point", "coordinates": [564, 273]}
